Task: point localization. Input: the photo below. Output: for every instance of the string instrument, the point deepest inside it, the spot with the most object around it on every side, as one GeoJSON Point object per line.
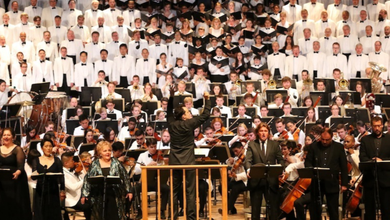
{"type": "Point", "coordinates": [60, 136]}
{"type": "Point", "coordinates": [199, 137]}
{"type": "Point", "coordinates": [156, 136]}
{"type": "Point", "coordinates": [285, 101]}
{"type": "Point", "coordinates": [317, 101]}
{"type": "Point", "coordinates": [129, 161]}
{"type": "Point", "coordinates": [214, 142]}
{"type": "Point", "coordinates": [158, 156]}
{"type": "Point", "coordinates": [223, 131]}
{"type": "Point", "coordinates": [237, 164]}
{"type": "Point", "coordinates": [80, 166]}
{"type": "Point", "coordinates": [246, 138]}
{"type": "Point", "coordinates": [296, 134]}
{"type": "Point", "coordinates": [350, 129]}
{"type": "Point", "coordinates": [59, 146]}
{"type": "Point", "coordinates": [296, 192]}
{"type": "Point", "coordinates": [354, 200]}
{"type": "Point", "coordinates": [255, 98]}
{"type": "Point", "coordinates": [133, 131]}
{"type": "Point", "coordinates": [95, 130]}
{"type": "Point", "coordinates": [284, 135]}
{"type": "Point", "coordinates": [360, 136]}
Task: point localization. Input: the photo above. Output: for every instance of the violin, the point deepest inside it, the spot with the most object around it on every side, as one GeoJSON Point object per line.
{"type": "Point", "coordinates": [80, 166]}
{"type": "Point", "coordinates": [129, 161]}
{"type": "Point", "coordinates": [350, 129]}
{"type": "Point", "coordinates": [362, 135]}
{"type": "Point", "coordinates": [133, 131]}
{"type": "Point", "coordinates": [223, 131]}
{"type": "Point", "coordinates": [95, 130]}
{"type": "Point", "coordinates": [199, 137]}
{"type": "Point", "coordinates": [296, 192]}
{"type": "Point", "coordinates": [156, 136]}
{"type": "Point", "coordinates": [237, 164]}
{"type": "Point", "coordinates": [284, 135]}
{"type": "Point", "coordinates": [296, 134]}
{"type": "Point", "coordinates": [158, 156]}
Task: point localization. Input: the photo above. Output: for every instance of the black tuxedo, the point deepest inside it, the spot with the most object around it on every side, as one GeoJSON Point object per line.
{"type": "Point", "coordinates": [369, 150]}
{"type": "Point", "coordinates": [332, 157]}
{"type": "Point", "coordinates": [258, 187]}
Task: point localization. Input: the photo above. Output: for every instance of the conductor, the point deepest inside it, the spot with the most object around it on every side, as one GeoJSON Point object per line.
{"type": "Point", "coordinates": [181, 126]}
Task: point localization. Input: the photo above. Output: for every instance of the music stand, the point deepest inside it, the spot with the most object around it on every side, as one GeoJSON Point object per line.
{"type": "Point", "coordinates": [71, 125]}
{"type": "Point", "coordinates": [256, 83]}
{"type": "Point", "coordinates": [315, 172]}
{"type": "Point", "coordinates": [324, 112]}
{"type": "Point", "coordinates": [40, 87]}
{"type": "Point", "coordinates": [125, 93]}
{"type": "Point", "coordinates": [239, 99]}
{"type": "Point", "coordinates": [133, 153]}
{"type": "Point", "coordinates": [157, 92]}
{"type": "Point", "coordinates": [329, 84]}
{"type": "Point", "coordinates": [370, 165]}
{"type": "Point", "coordinates": [213, 99]}
{"type": "Point", "coordinates": [179, 99]}
{"type": "Point", "coordinates": [119, 103]}
{"type": "Point", "coordinates": [90, 94]}
{"type": "Point", "coordinates": [358, 114]}
{"type": "Point", "coordinates": [340, 120]}
{"type": "Point", "coordinates": [34, 143]}
{"type": "Point", "coordinates": [6, 174]}
{"type": "Point", "coordinates": [276, 112]}
{"type": "Point", "coordinates": [220, 153]}
{"type": "Point", "coordinates": [10, 110]}
{"type": "Point", "coordinates": [87, 148]}
{"type": "Point", "coordinates": [190, 87]}
{"type": "Point", "coordinates": [383, 100]}
{"type": "Point", "coordinates": [203, 173]}
{"type": "Point", "coordinates": [111, 116]}
{"type": "Point", "coordinates": [365, 81]}
{"type": "Point", "coordinates": [102, 125]}
{"type": "Point", "coordinates": [160, 125]}
{"type": "Point", "coordinates": [102, 180]}
{"type": "Point", "coordinates": [270, 93]}
{"type": "Point", "coordinates": [150, 106]}
{"type": "Point", "coordinates": [71, 111]}
{"type": "Point", "coordinates": [226, 138]}
{"type": "Point", "coordinates": [234, 122]}
{"type": "Point", "coordinates": [354, 97]}
{"type": "Point", "coordinates": [207, 123]}
{"type": "Point", "coordinates": [128, 142]}
{"type": "Point", "coordinates": [325, 97]}
{"type": "Point", "coordinates": [299, 111]}
{"type": "Point", "coordinates": [76, 141]}
{"type": "Point", "coordinates": [267, 119]}
{"type": "Point", "coordinates": [202, 151]}
{"type": "Point", "coordinates": [250, 111]}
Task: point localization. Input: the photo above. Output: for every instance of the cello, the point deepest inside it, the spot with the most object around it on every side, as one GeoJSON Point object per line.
{"type": "Point", "coordinates": [296, 192]}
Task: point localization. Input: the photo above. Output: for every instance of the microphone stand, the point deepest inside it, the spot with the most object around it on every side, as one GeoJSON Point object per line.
{"type": "Point", "coordinates": [378, 202]}
{"type": "Point", "coordinates": [43, 189]}
{"type": "Point", "coordinates": [319, 187]}
{"type": "Point", "coordinates": [267, 208]}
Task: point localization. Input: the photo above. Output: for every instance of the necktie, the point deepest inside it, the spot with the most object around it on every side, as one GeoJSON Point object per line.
{"type": "Point", "coordinates": [262, 147]}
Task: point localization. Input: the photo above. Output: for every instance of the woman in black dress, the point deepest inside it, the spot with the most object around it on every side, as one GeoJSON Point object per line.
{"type": "Point", "coordinates": [14, 195]}
{"type": "Point", "coordinates": [115, 194]}
{"type": "Point", "coordinates": [47, 197]}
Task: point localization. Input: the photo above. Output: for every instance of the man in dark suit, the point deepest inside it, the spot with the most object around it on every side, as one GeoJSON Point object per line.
{"type": "Point", "coordinates": [375, 147]}
{"type": "Point", "coordinates": [181, 128]}
{"type": "Point", "coordinates": [327, 154]}
{"type": "Point", "coordinates": [263, 151]}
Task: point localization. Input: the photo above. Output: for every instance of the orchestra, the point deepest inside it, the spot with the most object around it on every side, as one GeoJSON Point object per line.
{"type": "Point", "coordinates": [97, 91]}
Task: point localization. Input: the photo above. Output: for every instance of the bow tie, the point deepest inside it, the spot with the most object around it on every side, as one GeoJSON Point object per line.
{"type": "Point", "coordinates": [165, 144]}
{"type": "Point", "coordinates": [313, 3]}
{"type": "Point", "coordinates": [315, 52]}
{"type": "Point", "coordinates": [71, 9]}
{"type": "Point", "coordinates": [361, 21]}
{"type": "Point", "coordinates": [346, 35]}
{"type": "Point", "coordinates": [157, 45]}
{"type": "Point", "coordinates": [387, 36]}
{"type": "Point", "coordinates": [327, 38]}
{"type": "Point", "coordinates": [275, 54]}
{"type": "Point", "coordinates": [112, 9]}
{"type": "Point", "coordinates": [307, 39]}
{"type": "Point", "coordinates": [123, 56]}
{"type": "Point", "coordinates": [242, 46]}
{"type": "Point", "coordinates": [25, 24]}
{"type": "Point", "coordinates": [368, 36]}
{"type": "Point", "coordinates": [70, 40]}
{"type": "Point", "coordinates": [219, 57]}
{"type": "Point", "coordinates": [358, 55]}
{"type": "Point", "coordinates": [23, 43]}
{"type": "Point", "coordinates": [95, 43]}
{"type": "Point", "coordinates": [58, 27]}
{"type": "Point", "coordinates": [355, 6]}
{"type": "Point", "coordinates": [53, 8]}
{"type": "Point", "coordinates": [179, 67]}
{"type": "Point", "coordinates": [325, 21]}
{"type": "Point", "coordinates": [104, 60]}
{"type": "Point", "coordinates": [3, 46]}
{"type": "Point", "coordinates": [345, 22]}
{"type": "Point", "coordinates": [34, 7]}
{"type": "Point", "coordinates": [83, 64]}
{"type": "Point", "coordinates": [177, 42]}
{"type": "Point", "coordinates": [81, 27]}
{"type": "Point", "coordinates": [145, 60]}
{"type": "Point", "coordinates": [374, 4]}
{"type": "Point", "coordinates": [304, 20]}
{"type": "Point", "coordinates": [24, 75]}
{"type": "Point", "coordinates": [6, 25]}
{"type": "Point", "coordinates": [94, 10]}
{"type": "Point", "coordinates": [295, 56]}
{"type": "Point", "coordinates": [377, 53]}
{"type": "Point", "coordinates": [42, 61]}
{"type": "Point", "coordinates": [38, 26]}
{"type": "Point", "coordinates": [63, 58]}
{"type": "Point", "coordinates": [116, 41]}
{"type": "Point", "coordinates": [335, 55]}
{"type": "Point", "coordinates": [15, 12]}
{"type": "Point", "coordinates": [120, 25]}
{"type": "Point", "coordinates": [137, 42]}
{"type": "Point", "coordinates": [336, 5]}
{"type": "Point", "coordinates": [292, 6]}
{"type": "Point", "coordinates": [267, 28]}
{"type": "Point", "coordinates": [131, 10]}
{"type": "Point", "coordinates": [47, 42]}
{"type": "Point", "coordinates": [168, 32]}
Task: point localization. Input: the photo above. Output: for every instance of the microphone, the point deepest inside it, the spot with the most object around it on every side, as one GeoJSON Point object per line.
{"type": "Point", "coordinates": [45, 169]}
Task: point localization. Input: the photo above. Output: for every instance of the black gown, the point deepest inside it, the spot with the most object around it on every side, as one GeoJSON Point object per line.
{"type": "Point", "coordinates": [14, 194]}
{"type": "Point", "coordinates": [47, 206]}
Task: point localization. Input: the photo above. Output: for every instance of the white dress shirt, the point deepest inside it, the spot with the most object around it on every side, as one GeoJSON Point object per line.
{"type": "Point", "coordinates": [294, 66]}
{"type": "Point", "coordinates": [333, 62]}
{"type": "Point", "coordinates": [32, 12]}
{"type": "Point", "coordinates": [104, 33]}
{"type": "Point", "coordinates": [82, 33]}
{"type": "Point", "coordinates": [91, 17]}
{"type": "Point", "coordinates": [50, 49]}
{"type": "Point", "coordinates": [136, 47]}
{"type": "Point", "coordinates": [83, 71]}
{"type": "Point", "coordinates": [357, 63]}
{"type": "Point", "coordinates": [146, 68]}
{"type": "Point", "coordinates": [58, 34]}
{"type": "Point", "coordinates": [69, 17]}
{"type": "Point", "coordinates": [293, 13]}
{"type": "Point", "coordinates": [124, 66]}
{"type": "Point", "coordinates": [93, 49]}
{"type": "Point", "coordinates": [382, 58]}
{"type": "Point", "coordinates": [42, 71]}
{"type": "Point", "coordinates": [73, 186]}
{"type": "Point", "coordinates": [107, 67]}
{"type": "Point", "coordinates": [316, 61]}
{"type": "Point", "coordinates": [48, 15]}
{"type": "Point", "coordinates": [63, 67]}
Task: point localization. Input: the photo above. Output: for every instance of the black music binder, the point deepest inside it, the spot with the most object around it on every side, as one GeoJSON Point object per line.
{"type": "Point", "coordinates": [262, 171]}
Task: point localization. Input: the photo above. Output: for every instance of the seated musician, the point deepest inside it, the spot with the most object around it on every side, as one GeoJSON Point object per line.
{"type": "Point", "coordinates": [264, 111]}
{"type": "Point", "coordinates": [72, 104]}
{"type": "Point", "coordinates": [136, 90]}
{"type": "Point", "coordinates": [111, 110]}
{"type": "Point", "coordinates": [238, 178]}
{"type": "Point", "coordinates": [161, 116]}
{"type": "Point", "coordinates": [292, 93]}
{"type": "Point", "coordinates": [164, 105]}
{"type": "Point", "coordinates": [278, 101]}
{"type": "Point", "coordinates": [216, 112]}
{"type": "Point", "coordinates": [140, 142]}
{"type": "Point", "coordinates": [109, 135]}
{"type": "Point", "coordinates": [101, 82]}
{"type": "Point", "coordinates": [362, 129]}
{"type": "Point", "coordinates": [311, 115]}
{"type": "Point", "coordinates": [164, 143]}
{"type": "Point", "coordinates": [250, 102]}
{"type": "Point", "coordinates": [84, 123]}
{"type": "Point", "coordinates": [136, 113]}
{"type": "Point", "coordinates": [250, 89]}
{"type": "Point", "coordinates": [78, 111]}
{"type": "Point", "coordinates": [219, 128]}
{"type": "Point", "coordinates": [341, 133]}
{"type": "Point", "coordinates": [111, 94]}
{"type": "Point", "coordinates": [139, 102]}
{"type": "Point", "coordinates": [103, 114]}
{"type": "Point", "coordinates": [181, 89]}
{"type": "Point", "coordinates": [362, 92]}
{"type": "Point", "coordinates": [220, 104]}
{"type": "Point", "coordinates": [148, 93]}
{"type": "Point", "coordinates": [4, 89]}
{"type": "Point", "coordinates": [320, 86]}
{"type": "Point", "coordinates": [282, 133]}
{"type": "Point", "coordinates": [48, 127]}
{"type": "Point", "coordinates": [24, 79]}
{"type": "Point", "coordinates": [303, 86]}
{"type": "Point", "coordinates": [207, 138]}
{"type": "Point", "coordinates": [31, 134]}
{"type": "Point", "coordinates": [287, 110]}
{"type": "Point", "coordinates": [327, 154]}
{"type": "Point", "coordinates": [266, 74]}
{"type": "Point", "coordinates": [150, 158]}
{"type": "Point", "coordinates": [297, 133]}
{"type": "Point", "coordinates": [233, 87]}
{"type": "Point", "coordinates": [73, 184]}
{"type": "Point", "coordinates": [117, 151]}
{"type": "Point", "coordinates": [335, 110]}
{"type": "Point", "coordinates": [241, 135]}
{"type": "Point", "coordinates": [256, 121]}
{"type": "Point", "coordinates": [265, 151]}
{"type": "Point", "coordinates": [129, 130]}
{"type": "Point", "coordinates": [198, 135]}
{"type": "Point", "coordinates": [88, 139]}
{"type": "Point", "coordinates": [150, 131]}
{"type": "Point", "coordinates": [241, 112]}
{"type": "Point", "coordinates": [188, 103]}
